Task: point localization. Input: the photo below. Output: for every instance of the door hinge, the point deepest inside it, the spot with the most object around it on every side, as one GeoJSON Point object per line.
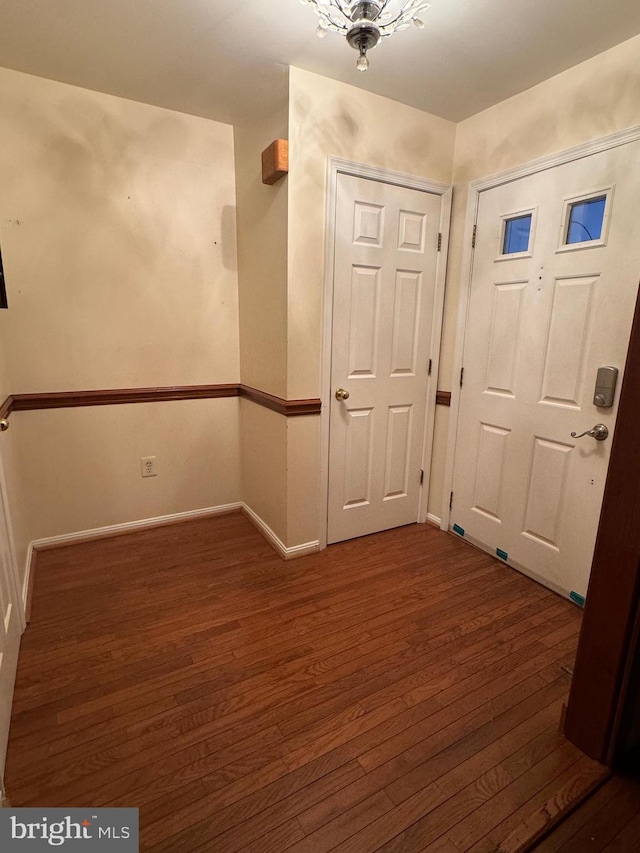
{"type": "Point", "coordinates": [421, 477]}
{"type": "Point", "coordinates": [439, 242]}
{"type": "Point", "coordinates": [461, 376]}
{"type": "Point", "coordinates": [451, 501]}
{"type": "Point", "coordinates": [430, 366]}
{"type": "Point", "coordinates": [473, 238]}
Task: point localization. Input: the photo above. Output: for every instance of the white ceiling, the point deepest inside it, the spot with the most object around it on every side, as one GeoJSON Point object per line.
{"type": "Point", "coordinates": [225, 59]}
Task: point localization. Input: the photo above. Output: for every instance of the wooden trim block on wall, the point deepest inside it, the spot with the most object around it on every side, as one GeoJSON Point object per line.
{"type": "Point", "coordinates": [275, 161]}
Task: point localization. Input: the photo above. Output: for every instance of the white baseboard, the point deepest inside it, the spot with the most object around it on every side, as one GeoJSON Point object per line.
{"type": "Point", "coordinates": [434, 519]}
{"type": "Point", "coordinates": [113, 530]}
{"type": "Point", "coordinates": [277, 543]}
{"type": "Point", "coordinates": [147, 523]}
{"type": "Point", "coordinates": [129, 526]}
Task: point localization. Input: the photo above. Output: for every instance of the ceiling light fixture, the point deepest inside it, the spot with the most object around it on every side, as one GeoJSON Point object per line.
{"type": "Point", "coordinates": [365, 22]}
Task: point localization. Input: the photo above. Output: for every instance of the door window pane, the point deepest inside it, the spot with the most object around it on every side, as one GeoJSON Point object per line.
{"type": "Point", "coordinates": [585, 220]}
{"type": "Point", "coordinates": [516, 235]}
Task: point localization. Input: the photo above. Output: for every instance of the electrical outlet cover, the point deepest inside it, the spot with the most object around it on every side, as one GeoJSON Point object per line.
{"type": "Point", "coordinates": [148, 466]}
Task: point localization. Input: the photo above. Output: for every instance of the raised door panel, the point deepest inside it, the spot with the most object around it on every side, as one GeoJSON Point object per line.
{"type": "Point", "coordinates": [358, 458]}
{"type": "Point", "coordinates": [546, 492]}
{"type": "Point", "coordinates": [368, 224]}
{"type": "Point", "coordinates": [364, 322]}
{"type": "Point", "coordinates": [406, 317]}
{"type": "Point", "coordinates": [567, 339]}
{"type": "Point", "coordinates": [502, 356]}
{"type": "Point", "coordinates": [398, 452]}
{"type": "Point", "coordinates": [412, 229]}
{"type": "Point", "coordinates": [488, 489]}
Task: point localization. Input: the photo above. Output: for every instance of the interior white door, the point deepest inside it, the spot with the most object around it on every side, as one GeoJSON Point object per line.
{"type": "Point", "coordinates": [554, 283]}
{"type": "Point", "coordinates": [10, 628]}
{"type": "Point", "coordinates": [385, 267]}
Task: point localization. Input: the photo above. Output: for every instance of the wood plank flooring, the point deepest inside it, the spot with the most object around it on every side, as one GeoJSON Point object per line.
{"type": "Point", "coordinates": [608, 822]}
{"type": "Point", "coordinates": [400, 692]}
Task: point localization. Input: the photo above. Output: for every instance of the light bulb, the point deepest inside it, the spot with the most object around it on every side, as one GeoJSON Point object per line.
{"type": "Point", "coordinates": [418, 23]}
{"type": "Point", "coordinates": [322, 30]}
{"type": "Point", "coordinates": [362, 62]}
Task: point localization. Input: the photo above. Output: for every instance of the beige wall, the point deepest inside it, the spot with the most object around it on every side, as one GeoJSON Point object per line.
{"type": "Point", "coordinates": [117, 223]}
{"type": "Point", "coordinates": [263, 446]}
{"type": "Point", "coordinates": [118, 239]}
{"type": "Point", "coordinates": [262, 284]}
{"type": "Point", "coordinates": [331, 119]}
{"type": "Point", "coordinates": [597, 97]}
{"type": "Point", "coordinates": [96, 480]}
{"type": "Point", "coordinates": [303, 480]}
{"type": "Point", "coordinates": [262, 255]}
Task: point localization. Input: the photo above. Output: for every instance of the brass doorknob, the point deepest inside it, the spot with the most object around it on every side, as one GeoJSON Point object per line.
{"type": "Point", "coordinates": [342, 394]}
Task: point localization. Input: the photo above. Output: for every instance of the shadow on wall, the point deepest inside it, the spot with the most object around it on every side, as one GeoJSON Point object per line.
{"type": "Point", "coordinates": [531, 125]}
{"type": "Point", "coordinates": [123, 239]}
{"type": "Point", "coordinates": [88, 159]}
{"type": "Point", "coordinates": [228, 234]}
{"type": "Point", "coordinates": [355, 133]}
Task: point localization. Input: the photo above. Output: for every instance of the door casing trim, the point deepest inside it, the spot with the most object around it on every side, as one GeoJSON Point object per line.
{"type": "Point", "coordinates": [475, 188]}
{"type": "Point", "coordinates": [14, 583]}
{"type": "Point", "coordinates": [336, 167]}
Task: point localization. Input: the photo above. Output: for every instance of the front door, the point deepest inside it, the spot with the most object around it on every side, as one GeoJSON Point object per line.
{"type": "Point", "coordinates": [554, 282]}
{"type": "Point", "coordinates": [385, 273]}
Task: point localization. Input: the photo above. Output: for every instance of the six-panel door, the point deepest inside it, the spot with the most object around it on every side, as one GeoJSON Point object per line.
{"type": "Point", "coordinates": [384, 284]}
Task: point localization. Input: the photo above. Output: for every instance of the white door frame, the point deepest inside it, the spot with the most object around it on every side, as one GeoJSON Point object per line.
{"type": "Point", "coordinates": [335, 167]}
{"type": "Point", "coordinates": [19, 599]}
{"type": "Point", "coordinates": [604, 143]}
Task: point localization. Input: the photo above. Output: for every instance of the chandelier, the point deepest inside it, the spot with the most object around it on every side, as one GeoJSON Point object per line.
{"type": "Point", "coordinates": [365, 23]}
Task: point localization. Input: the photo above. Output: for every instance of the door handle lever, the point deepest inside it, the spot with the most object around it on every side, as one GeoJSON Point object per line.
{"type": "Point", "coordinates": [599, 432]}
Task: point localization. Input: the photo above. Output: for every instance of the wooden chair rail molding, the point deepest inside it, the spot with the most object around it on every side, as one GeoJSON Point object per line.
{"type": "Point", "coordinates": [117, 396]}
{"type": "Point", "coordinates": [6, 407]}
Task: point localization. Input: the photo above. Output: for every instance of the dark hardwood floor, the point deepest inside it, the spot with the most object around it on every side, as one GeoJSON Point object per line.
{"type": "Point", "coordinates": [400, 692]}
{"type": "Point", "coordinates": [608, 822]}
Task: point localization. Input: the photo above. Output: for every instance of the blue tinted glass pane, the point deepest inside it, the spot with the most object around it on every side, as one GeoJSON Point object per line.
{"type": "Point", "coordinates": [516, 235]}
{"type": "Point", "coordinates": [585, 220]}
